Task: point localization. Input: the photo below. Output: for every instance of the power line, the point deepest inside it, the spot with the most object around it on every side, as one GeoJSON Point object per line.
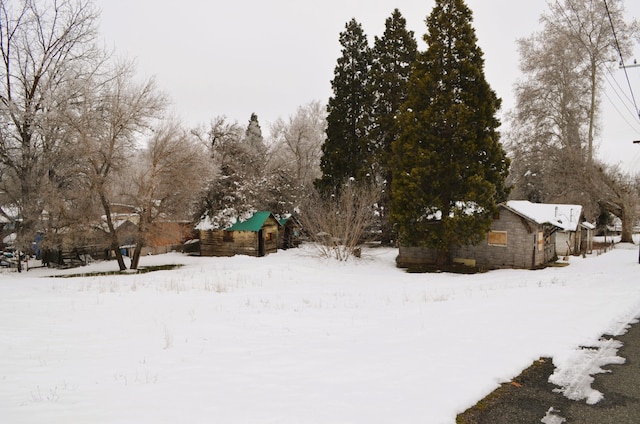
{"type": "Point", "coordinates": [615, 107]}
{"type": "Point", "coordinates": [623, 116]}
{"type": "Point", "coordinates": [624, 68]}
{"type": "Point", "coordinates": [619, 92]}
{"type": "Point", "coordinates": [579, 37]}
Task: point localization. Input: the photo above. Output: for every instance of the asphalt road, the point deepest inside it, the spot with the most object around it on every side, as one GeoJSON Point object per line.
{"type": "Point", "coordinates": [529, 397]}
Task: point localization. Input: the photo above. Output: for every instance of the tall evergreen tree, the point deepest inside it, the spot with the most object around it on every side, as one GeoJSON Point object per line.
{"type": "Point", "coordinates": [393, 56]}
{"type": "Point", "coordinates": [253, 135]}
{"type": "Point", "coordinates": [449, 166]}
{"type": "Point", "coordinates": [346, 149]}
{"type": "Point", "coordinates": [255, 149]}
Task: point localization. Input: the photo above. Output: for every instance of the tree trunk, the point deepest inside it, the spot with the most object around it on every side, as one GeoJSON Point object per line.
{"type": "Point", "coordinates": [115, 245]}
{"type": "Point", "coordinates": [592, 111]}
{"type": "Point", "coordinates": [135, 260]}
{"type": "Point", "coordinates": [145, 218]}
{"type": "Point", "coordinates": [626, 235]}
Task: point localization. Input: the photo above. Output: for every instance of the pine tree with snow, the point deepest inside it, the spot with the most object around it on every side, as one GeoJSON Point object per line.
{"type": "Point", "coordinates": [449, 167]}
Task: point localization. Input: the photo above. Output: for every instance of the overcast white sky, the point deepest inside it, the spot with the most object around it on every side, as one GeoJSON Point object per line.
{"type": "Point", "coordinates": [271, 56]}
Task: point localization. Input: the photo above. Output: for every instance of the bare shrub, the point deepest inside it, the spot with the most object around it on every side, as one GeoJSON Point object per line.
{"type": "Point", "coordinates": [340, 223]}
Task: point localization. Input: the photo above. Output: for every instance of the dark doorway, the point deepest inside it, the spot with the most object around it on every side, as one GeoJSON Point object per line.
{"type": "Point", "coordinates": [260, 243]}
{"type": "Point", "coordinates": [287, 238]}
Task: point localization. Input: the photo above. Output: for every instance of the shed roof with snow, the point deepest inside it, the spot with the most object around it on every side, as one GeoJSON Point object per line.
{"type": "Point", "coordinates": [564, 216]}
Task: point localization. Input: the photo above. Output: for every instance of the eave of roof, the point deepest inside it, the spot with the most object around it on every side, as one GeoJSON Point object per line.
{"type": "Point", "coordinates": [253, 224]}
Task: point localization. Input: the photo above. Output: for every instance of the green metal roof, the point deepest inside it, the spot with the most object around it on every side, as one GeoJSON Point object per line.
{"type": "Point", "coordinates": [282, 221]}
{"type": "Point", "coordinates": [254, 223]}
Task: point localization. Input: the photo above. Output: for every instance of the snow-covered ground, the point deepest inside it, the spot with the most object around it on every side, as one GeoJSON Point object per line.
{"type": "Point", "coordinates": [291, 338]}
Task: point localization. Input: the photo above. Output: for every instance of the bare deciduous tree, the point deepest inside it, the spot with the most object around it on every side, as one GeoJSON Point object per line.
{"type": "Point", "coordinates": [45, 46]}
{"type": "Point", "coordinates": [220, 131]}
{"type": "Point", "coordinates": [587, 27]}
{"type": "Point", "coordinates": [108, 121]}
{"type": "Point", "coordinates": [297, 143]}
{"type": "Point", "coordinates": [165, 180]}
{"type": "Point", "coordinates": [554, 124]}
{"type": "Point", "coordinates": [618, 194]}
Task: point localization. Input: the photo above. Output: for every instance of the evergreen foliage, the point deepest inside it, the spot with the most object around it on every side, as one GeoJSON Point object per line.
{"type": "Point", "coordinates": [393, 56]}
{"type": "Point", "coordinates": [244, 183]}
{"type": "Point", "coordinates": [449, 168]}
{"type": "Point", "coordinates": [253, 135]}
{"type": "Point", "coordinates": [346, 149]}
{"type": "Point", "coordinates": [236, 157]}
{"type": "Point", "coordinates": [255, 149]}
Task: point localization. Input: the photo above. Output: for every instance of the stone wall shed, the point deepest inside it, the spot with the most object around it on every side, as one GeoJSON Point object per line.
{"type": "Point", "coordinates": [517, 239]}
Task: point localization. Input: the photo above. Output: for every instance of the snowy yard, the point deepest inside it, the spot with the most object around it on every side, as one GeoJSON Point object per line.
{"type": "Point", "coordinates": [290, 338]}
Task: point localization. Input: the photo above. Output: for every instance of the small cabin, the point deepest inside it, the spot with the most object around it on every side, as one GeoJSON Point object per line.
{"type": "Point", "coordinates": [256, 236]}
{"type": "Point", "coordinates": [517, 238]}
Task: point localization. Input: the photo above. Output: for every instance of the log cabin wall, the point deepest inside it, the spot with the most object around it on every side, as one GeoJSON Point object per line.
{"type": "Point", "coordinates": [230, 243]}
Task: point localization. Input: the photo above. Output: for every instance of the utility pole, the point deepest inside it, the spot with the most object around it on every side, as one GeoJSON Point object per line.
{"type": "Point", "coordinates": [625, 67]}
{"type": "Point", "coordinates": [638, 142]}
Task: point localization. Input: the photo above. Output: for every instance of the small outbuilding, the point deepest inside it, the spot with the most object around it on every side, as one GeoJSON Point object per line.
{"type": "Point", "coordinates": [588, 231]}
{"type": "Point", "coordinates": [522, 235]}
{"type": "Point", "coordinates": [572, 235]}
{"type": "Point", "coordinates": [290, 233]}
{"type": "Point", "coordinates": [256, 236]}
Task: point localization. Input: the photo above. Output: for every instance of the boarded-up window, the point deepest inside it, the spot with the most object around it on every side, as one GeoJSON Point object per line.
{"type": "Point", "coordinates": [540, 241]}
{"type": "Point", "coordinates": [497, 238]}
{"type": "Point", "coordinates": [227, 236]}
